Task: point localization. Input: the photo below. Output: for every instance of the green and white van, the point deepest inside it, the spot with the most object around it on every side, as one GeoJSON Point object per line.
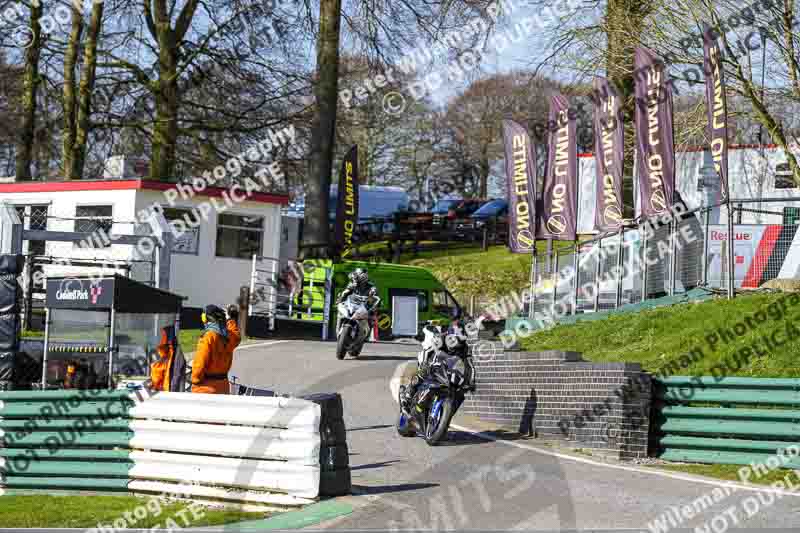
{"type": "Point", "coordinates": [399, 287]}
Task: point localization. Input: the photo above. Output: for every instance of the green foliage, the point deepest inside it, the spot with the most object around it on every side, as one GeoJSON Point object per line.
{"type": "Point", "coordinates": [45, 511]}
{"type": "Point", "coordinates": [728, 472]}
{"type": "Point", "coordinates": [659, 336]}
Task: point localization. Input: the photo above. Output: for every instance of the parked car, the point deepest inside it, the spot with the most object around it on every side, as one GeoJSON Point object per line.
{"type": "Point", "coordinates": [448, 213]}
{"type": "Point", "coordinates": [492, 214]}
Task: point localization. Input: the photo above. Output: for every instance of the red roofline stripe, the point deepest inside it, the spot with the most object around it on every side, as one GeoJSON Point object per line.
{"type": "Point", "coordinates": [121, 185]}
{"type": "Point", "coordinates": [217, 192]}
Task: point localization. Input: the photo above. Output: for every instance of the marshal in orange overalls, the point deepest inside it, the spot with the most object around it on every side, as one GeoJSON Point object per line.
{"type": "Point", "coordinates": [211, 364]}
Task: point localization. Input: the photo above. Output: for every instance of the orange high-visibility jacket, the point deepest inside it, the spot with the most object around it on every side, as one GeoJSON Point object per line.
{"type": "Point", "coordinates": [211, 364]}
{"type": "Point", "coordinates": [234, 334]}
{"type": "Point", "coordinates": [160, 370]}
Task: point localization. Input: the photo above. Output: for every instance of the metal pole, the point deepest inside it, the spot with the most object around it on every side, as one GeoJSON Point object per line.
{"type": "Point", "coordinates": [705, 247]}
{"type": "Point", "coordinates": [644, 266]}
{"type": "Point", "coordinates": [46, 346]}
{"type": "Point", "coordinates": [549, 255]}
{"type": "Point", "coordinates": [730, 252]}
{"type": "Point", "coordinates": [111, 347]}
{"type": "Point", "coordinates": [619, 268]}
{"type": "Point", "coordinates": [673, 225]}
{"type": "Point", "coordinates": [576, 278]}
{"type": "Point", "coordinates": [326, 306]}
{"type": "Point", "coordinates": [598, 271]}
{"type": "Point", "coordinates": [273, 294]}
{"type": "Point", "coordinates": [555, 286]}
{"type": "Point", "coordinates": [253, 275]}
{"type": "Point", "coordinates": [534, 284]}
{"type": "Point", "coordinates": [156, 268]}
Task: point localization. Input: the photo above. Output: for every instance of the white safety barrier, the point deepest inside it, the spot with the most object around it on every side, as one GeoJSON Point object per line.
{"type": "Point", "coordinates": [258, 449]}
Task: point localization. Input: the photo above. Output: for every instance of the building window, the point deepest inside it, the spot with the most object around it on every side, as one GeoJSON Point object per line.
{"type": "Point", "coordinates": [239, 236]}
{"type": "Point", "coordinates": [92, 219]}
{"type": "Point", "coordinates": [783, 177]}
{"type": "Point", "coordinates": [187, 238]}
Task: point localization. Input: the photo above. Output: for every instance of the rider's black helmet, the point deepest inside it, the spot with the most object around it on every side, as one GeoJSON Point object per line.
{"type": "Point", "coordinates": [359, 276]}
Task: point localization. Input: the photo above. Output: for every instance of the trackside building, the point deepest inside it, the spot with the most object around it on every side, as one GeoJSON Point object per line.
{"type": "Point", "coordinates": [215, 234]}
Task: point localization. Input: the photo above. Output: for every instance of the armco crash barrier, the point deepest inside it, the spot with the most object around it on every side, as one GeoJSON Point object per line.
{"type": "Point", "coordinates": [236, 448]}
{"type": "Point", "coordinates": [763, 423]}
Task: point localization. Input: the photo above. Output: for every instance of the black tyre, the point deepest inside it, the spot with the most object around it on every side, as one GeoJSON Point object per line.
{"type": "Point", "coordinates": [356, 351]}
{"type": "Point", "coordinates": [436, 429]}
{"type": "Point", "coordinates": [341, 342]}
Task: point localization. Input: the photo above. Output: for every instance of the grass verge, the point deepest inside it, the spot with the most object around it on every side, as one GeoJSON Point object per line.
{"type": "Point", "coordinates": [660, 336]}
{"type": "Point", "coordinates": [45, 511]}
{"type": "Point", "coordinates": [730, 473]}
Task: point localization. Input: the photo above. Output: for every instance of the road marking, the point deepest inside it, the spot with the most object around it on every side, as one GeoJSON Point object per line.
{"type": "Point", "coordinates": [660, 473]}
{"type": "Point", "coordinates": [260, 344]}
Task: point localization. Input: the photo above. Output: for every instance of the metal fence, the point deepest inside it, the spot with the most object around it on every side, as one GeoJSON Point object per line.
{"type": "Point", "coordinates": [669, 257]}
{"type": "Point", "coordinates": [289, 289]}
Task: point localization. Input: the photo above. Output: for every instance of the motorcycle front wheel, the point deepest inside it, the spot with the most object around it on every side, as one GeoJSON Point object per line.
{"type": "Point", "coordinates": [404, 428]}
{"type": "Point", "coordinates": [438, 421]}
{"type": "Point", "coordinates": [341, 342]}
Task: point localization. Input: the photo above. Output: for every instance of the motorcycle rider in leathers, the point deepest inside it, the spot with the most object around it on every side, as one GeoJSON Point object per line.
{"type": "Point", "coordinates": [457, 328]}
{"type": "Point", "coordinates": [361, 286]}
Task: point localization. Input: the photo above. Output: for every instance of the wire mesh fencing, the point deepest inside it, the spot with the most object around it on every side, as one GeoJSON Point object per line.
{"type": "Point", "coordinates": [669, 257]}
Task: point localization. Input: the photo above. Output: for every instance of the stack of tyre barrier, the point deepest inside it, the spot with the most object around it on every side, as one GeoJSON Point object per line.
{"type": "Point", "coordinates": [334, 456]}
{"type": "Point", "coordinates": [10, 291]}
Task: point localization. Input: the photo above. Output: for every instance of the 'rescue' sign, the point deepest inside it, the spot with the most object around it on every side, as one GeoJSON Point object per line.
{"type": "Point", "coordinates": [80, 293]}
{"type": "Point", "coordinates": [521, 180]}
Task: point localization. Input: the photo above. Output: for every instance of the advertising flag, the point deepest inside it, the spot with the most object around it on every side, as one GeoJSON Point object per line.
{"type": "Point", "coordinates": [347, 203]}
{"type": "Point", "coordinates": [560, 192]}
{"type": "Point", "coordinates": [609, 156]}
{"type": "Point", "coordinates": [716, 105]}
{"type": "Point", "coordinates": [655, 144]}
{"type": "Point", "coordinates": [521, 180]}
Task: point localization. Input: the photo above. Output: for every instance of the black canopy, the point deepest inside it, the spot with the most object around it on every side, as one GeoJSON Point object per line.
{"type": "Point", "coordinates": [100, 294]}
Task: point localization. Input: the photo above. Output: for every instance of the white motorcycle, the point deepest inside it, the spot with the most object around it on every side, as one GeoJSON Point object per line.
{"type": "Point", "coordinates": [353, 326]}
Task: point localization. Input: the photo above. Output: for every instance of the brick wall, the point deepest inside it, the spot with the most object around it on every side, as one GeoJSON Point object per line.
{"type": "Point", "coordinates": [555, 394]}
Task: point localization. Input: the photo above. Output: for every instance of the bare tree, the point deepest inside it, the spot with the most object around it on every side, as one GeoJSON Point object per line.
{"type": "Point", "coordinates": [78, 95]}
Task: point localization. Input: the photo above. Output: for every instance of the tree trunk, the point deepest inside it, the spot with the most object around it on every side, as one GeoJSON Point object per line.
{"type": "Point", "coordinates": [316, 232]}
{"type": "Point", "coordinates": [85, 91]}
{"type": "Point", "coordinates": [484, 168]}
{"type": "Point", "coordinates": [623, 19]}
{"type": "Point", "coordinates": [165, 130]}
{"type": "Point", "coordinates": [164, 141]}
{"type": "Point", "coordinates": [30, 89]}
{"type": "Point", "coordinates": [69, 104]}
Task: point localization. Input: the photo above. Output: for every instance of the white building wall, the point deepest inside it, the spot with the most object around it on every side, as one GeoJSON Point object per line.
{"type": "Point", "coordinates": [61, 214]}
{"type": "Point", "coordinates": [205, 278]}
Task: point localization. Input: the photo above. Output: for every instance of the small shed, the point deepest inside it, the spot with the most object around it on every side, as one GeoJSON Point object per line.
{"type": "Point", "coordinates": [113, 324]}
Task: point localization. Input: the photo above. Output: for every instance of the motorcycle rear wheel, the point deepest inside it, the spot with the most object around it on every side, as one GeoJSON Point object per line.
{"type": "Point", "coordinates": [436, 429]}
{"type": "Point", "coordinates": [341, 342]}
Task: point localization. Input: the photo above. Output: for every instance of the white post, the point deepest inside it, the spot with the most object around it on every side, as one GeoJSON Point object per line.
{"type": "Point", "coordinates": [111, 348]}
{"type": "Point", "coordinates": [46, 345]}
{"type": "Point", "coordinates": [253, 275]}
